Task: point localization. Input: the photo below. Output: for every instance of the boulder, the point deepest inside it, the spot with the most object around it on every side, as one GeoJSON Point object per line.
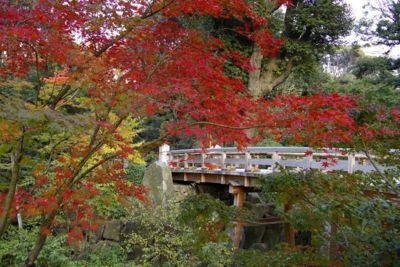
{"type": "Point", "coordinates": [181, 191]}
{"type": "Point", "coordinates": [112, 230]}
{"type": "Point", "coordinates": [158, 179]}
{"type": "Point", "coordinates": [253, 197]}
{"type": "Point", "coordinates": [274, 234]}
{"type": "Point", "coordinates": [130, 228]}
{"type": "Point", "coordinates": [256, 234]}
{"type": "Point", "coordinates": [252, 235]}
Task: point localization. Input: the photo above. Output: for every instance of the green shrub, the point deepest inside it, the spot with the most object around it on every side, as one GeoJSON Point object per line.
{"type": "Point", "coordinates": [16, 244]}
{"type": "Point", "coordinates": [191, 233]}
{"type": "Point", "coordinates": [135, 173]}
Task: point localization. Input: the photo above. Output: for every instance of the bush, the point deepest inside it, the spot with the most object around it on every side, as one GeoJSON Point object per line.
{"type": "Point", "coordinates": [192, 233]}
{"type": "Point", "coordinates": [135, 173]}
{"type": "Point", "coordinates": [16, 244]}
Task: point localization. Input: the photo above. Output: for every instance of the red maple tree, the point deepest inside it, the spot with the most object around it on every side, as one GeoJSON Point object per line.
{"type": "Point", "coordinates": [127, 59]}
{"type": "Point", "coordinates": [137, 59]}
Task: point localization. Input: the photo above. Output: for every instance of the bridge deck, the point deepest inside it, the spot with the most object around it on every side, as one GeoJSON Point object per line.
{"type": "Point", "coordinates": [230, 166]}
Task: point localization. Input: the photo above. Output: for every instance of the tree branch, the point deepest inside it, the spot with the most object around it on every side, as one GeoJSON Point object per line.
{"type": "Point", "coordinates": [16, 157]}
{"type": "Point", "coordinates": [381, 174]}
{"type": "Point", "coordinates": [91, 168]}
{"type": "Point", "coordinates": [63, 92]}
{"type": "Point", "coordinates": [147, 14]}
{"type": "Point", "coordinates": [281, 78]}
{"type": "Point", "coordinates": [92, 151]}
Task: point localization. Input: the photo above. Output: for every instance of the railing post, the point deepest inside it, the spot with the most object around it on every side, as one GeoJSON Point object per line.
{"type": "Point", "coordinates": [351, 162]}
{"type": "Point", "coordinates": [308, 161]}
{"type": "Point", "coordinates": [163, 153]}
{"type": "Point", "coordinates": [185, 161]}
{"type": "Point", "coordinates": [223, 159]}
{"type": "Point", "coordinates": [203, 160]}
{"type": "Point", "coordinates": [275, 160]}
{"type": "Point", "coordinates": [247, 165]}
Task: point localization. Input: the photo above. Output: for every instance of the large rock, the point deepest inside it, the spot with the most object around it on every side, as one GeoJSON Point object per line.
{"type": "Point", "coordinates": [158, 179]}
{"type": "Point", "coordinates": [255, 234]}
{"type": "Point", "coordinates": [181, 191]}
{"type": "Point", "coordinates": [252, 235]}
{"type": "Point", "coordinates": [130, 228]}
{"type": "Point", "coordinates": [274, 234]}
{"type": "Point", "coordinates": [112, 230]}
{"type": "Point", "coordinates": [253, 197]}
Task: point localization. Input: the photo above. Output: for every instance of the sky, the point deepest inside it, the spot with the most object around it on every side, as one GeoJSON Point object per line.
{"type": "Point", "coordinates": [358, 12]}
{"type": "Point", "coordinates": [356, 6]}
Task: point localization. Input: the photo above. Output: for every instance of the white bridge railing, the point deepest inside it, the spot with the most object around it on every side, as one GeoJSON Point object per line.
{"type": "Point", "coordinates": [264, 159]}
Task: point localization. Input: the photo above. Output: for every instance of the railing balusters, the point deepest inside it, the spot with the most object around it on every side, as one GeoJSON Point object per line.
{"type": "Point", "coordinates": [229, 158]}
{"type": "Point", "coordinates": [351, 162]}
{"type": "Point", "coordinates": [185, 161]}
{"type": "Point", "coordinates": [247, 165]}
{"type": "Point", "coordinates": [275, 161]}
{"type": "Point", "coordinates": [203, 160]}
{"type": "Point", "coordinates": [223, 160]}
{"type": "Point", "coordinates": [308, 161]}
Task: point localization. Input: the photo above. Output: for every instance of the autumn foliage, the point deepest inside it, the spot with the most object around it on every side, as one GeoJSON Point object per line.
{"type": "Point", "coordinates": [93, 65]}
{"type": "Point", "coordinates": [89, 67]}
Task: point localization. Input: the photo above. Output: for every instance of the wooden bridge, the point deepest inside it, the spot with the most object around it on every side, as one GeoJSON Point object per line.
{"type": "Point", "coordinates": [230, 166]}
{"type": "Point", "coordinates": [241, 170]}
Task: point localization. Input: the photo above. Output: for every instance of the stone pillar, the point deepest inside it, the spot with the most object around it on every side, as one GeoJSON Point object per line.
{"type": "Point", "coordinates": [158, 179]}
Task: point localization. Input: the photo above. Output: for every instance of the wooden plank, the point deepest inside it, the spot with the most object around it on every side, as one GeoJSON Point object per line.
{"type": "Point", "coordinates": [265, 221]}
{"type": "Point", "coordinates": [301, 163]}
{"type": "Point", "coordinates": [256, 161]}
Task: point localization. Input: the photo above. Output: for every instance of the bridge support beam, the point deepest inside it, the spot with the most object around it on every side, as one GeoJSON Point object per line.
{"type": "Point", "coordinates": [289, 231]}
{"type": "Point", "coordinates": [238, 199]}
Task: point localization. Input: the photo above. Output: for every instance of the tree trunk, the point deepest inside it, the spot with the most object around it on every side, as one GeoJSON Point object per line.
{"type": "Point", "coordinates": [269, 78]}
{"type": "Point", "coordinates": [254, 84]}
{"type": "Point", "coordinates": [289, 231]}
{"type": "Point", "coordinates": [16, 156]}
{"type": "Point", "coordinates": [262, 80]}
{"type": "Point", "coordinates": [40, 240]}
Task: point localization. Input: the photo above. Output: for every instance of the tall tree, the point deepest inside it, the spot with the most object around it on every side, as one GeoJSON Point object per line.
{"type": "Point", "coordinates": [84, 68]}
{"type": "Point", "coordinates": [371, 78]}
{"type": "Point", "coordinates": [301, 33]}
{"type": "Point", "coordinates": [309, 29]}
{"type": "Point", "coordinates": [383, 27]}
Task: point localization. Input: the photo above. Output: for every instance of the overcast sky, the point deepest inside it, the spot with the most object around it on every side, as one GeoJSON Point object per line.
{"type": "Point", "coordinates": [358, 12]}
{"type": "Point", "coordinates": [356, 6]}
